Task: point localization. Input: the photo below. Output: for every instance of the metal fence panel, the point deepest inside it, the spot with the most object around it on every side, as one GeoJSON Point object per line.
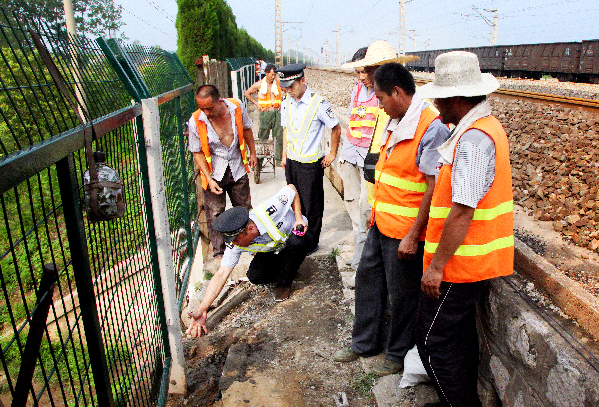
{"type": "Point", "coordinates": [104, 339]}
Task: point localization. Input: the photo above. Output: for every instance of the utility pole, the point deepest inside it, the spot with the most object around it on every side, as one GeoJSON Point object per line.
{"type": "Point", "coordinates": [495, 18]}
{"type": "Point", "coordinates": [337, 49]}
{"type": "Point", "coordinates": [428, 41]}
{"type": "Point", "coordinates": [326, 53]}
{"type": "Point", "coordinates": [288, 50]}
{"type": "Point", "coordinates": [278, 34]}
{"type": "Point", "coordinates": [402, 28]}
{"type": "Point", "coordinates": [413, 40]}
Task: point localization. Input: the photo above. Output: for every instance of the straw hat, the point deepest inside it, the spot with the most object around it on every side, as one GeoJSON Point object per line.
{"type": "Point", "coordinates": [379, 53]}
{"type": "Point", "coordinates": [457, 73]}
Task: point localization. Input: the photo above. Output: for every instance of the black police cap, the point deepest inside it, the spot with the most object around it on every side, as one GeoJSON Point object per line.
{"type": "Point", "coordinates": [290, 73]}
{"type": "Point", "coordinates": [231, 222]}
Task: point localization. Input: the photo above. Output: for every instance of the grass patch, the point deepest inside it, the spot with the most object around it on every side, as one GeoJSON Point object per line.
{"type": "Point", "coordinates": [334, 253]}
{"type": "Point", "coordinates": [363, 384]}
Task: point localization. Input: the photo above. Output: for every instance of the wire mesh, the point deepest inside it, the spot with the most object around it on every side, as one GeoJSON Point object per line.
{"type": "Point", "coordinates": [162, 72]}
{"type": "Point", "coordinates": [35, 225]}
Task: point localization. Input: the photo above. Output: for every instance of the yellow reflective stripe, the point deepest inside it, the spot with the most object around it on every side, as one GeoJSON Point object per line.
{"type": "Point", "coordinates": [362, 123]}
{"type": "Point", "coordinates": [396, 209]}
{"type": "Point", "coordinates": [356, 134]}
{"type": "Point", "coordinates": [208, 159]}
{"type": "Point", "coordinates": [400, 183]}
{"type": "Point", "coordinates": [257, 247]}
{"type": "Point", "coordinates": [479, 214]}
{"type": "Point", "coordinates": [476, 250]}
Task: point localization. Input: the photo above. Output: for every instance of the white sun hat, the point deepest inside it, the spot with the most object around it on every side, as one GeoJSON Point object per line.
{"type": "Point", "coordinates": [379, 53]}
{"type": "Point", "coordinates": [457, 73]}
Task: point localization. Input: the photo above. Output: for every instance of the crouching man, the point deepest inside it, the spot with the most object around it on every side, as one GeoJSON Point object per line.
{"type": "Point", "coordinates": [275, 231]}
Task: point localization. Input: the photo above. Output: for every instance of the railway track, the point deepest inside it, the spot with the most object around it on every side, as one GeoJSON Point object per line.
{"type": "Point", "coordinates": [589, 105]}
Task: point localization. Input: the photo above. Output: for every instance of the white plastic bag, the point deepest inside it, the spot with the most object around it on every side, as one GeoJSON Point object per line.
{"type": "Point", "coordinates": [413, 370]}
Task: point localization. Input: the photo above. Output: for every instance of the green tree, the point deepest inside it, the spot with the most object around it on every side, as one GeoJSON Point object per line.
{"type": "Point", "coordinates": [209, 28]}
{"type": "Point", "coordinates": [104, 19]}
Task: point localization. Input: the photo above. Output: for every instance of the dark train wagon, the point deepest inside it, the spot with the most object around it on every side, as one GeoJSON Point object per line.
{"type": "Point", "coordinates": [588, 70]}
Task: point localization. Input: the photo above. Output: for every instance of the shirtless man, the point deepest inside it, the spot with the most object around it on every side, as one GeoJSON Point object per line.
{"type": "Point", "coordinates": [220, 135]}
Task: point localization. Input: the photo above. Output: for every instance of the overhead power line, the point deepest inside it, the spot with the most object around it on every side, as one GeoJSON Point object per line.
{"type": "Point", "coordinates": [145, 22]}
{"type": "Point", "coordinates": [161, 10]}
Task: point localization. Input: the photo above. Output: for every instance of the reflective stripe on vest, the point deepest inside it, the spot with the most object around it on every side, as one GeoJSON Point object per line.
{"type": "Point", "coordinates": [479, 214]}
{"type": "Point", "coordinates": [278, 239]}
{"type": "Point", "coordinates": [203, 135]}
{"type": "Point", "coordinates": [297, 138]}
{"type": "Point", "coordinates": [476, 250]}
{"type": "Point", "coordinates": [487, 250]}
{"type": "Point", "coordinates": [363, 119]}
{"type": "Point", "coordinates": [399, 184]}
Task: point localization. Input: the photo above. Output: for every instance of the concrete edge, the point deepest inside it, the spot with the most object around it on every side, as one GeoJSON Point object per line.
{"type": "Point", "coordinates": [567, 294]}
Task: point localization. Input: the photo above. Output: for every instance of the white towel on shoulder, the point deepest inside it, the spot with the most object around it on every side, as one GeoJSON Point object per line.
{"type": "Point", "coordinates": [405, 128]}
{"type": "Point", "coordinates": [264, 88]}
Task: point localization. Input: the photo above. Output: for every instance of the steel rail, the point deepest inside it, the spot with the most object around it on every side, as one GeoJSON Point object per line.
{"type": "Point", "coordinates": [513, 93]}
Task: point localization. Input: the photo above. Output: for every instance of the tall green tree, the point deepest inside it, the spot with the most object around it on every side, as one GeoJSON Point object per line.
{"type": "Point", "coordinates": [208, 27]}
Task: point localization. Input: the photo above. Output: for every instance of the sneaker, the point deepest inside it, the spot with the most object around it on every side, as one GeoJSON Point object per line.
{"type": "Point", "coordinates": [387, 367]}
{"type": "Point", "coordinates": [282, 292]}
{"type": "Point", "coordinates": [345, 355]}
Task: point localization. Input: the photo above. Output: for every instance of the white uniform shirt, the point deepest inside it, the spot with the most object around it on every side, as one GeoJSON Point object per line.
{"type": "Point", "coordinates": [473, 169]}
{"type": "Point", "coordinates": [221, 156]}
{"type": "Point", "coordinates": [324, 117]}
{"type": "Point", "coordinates": [280, 210]}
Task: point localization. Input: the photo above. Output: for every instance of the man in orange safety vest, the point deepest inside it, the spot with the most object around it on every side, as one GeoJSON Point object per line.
{"type": "Point", "coordinates": [469, 236]}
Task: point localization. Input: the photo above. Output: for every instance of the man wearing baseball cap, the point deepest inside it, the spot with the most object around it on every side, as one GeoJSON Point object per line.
{"type": "Point", "coordinates": [469, 236]}
{"type": "Point", "coordinates": [274, 231]}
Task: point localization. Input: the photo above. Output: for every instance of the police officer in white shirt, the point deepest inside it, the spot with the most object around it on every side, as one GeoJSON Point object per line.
{"type": "Point", "coordinates": [274, 231]}
{"type": "Point", "coordinates": [304, 116]}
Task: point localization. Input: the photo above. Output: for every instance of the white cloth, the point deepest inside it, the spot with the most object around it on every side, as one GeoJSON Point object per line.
{"type": "Point", "coordinates": [264, 88]}
{"type": "Point", "coordinates": [405, 128]}
{"type": "Point", "coordinates": [483, 109]}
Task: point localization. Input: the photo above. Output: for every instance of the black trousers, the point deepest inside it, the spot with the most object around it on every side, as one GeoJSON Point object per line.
{"type": "Point", "coordinates": [308, 180]}
{"type": "Point", "coordinates": [280, 268]}
{"type": "Point", "coordinates": [448, 342]}
{"type": "Point", "coordinates": [380, 274]}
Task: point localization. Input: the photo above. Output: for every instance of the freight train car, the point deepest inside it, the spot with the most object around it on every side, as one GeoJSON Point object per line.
{"type": "Point", "coordinates": [566, 61]}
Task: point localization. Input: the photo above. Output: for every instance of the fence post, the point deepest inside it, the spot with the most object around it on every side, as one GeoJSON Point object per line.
{"type": "Point", "coordinates": [151, 124]}
{"type": "Point", "coordinates": [71, 205]}
{"type": "Point", "coordinates": [235, 86]}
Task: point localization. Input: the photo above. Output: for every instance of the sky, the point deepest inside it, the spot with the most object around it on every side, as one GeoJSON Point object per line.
{"type": "Point", "coordinates": [429, 24]}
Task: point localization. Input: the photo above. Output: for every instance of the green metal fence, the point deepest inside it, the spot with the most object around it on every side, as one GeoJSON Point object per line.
{"type": "Point", "coordinates": [82, 318]}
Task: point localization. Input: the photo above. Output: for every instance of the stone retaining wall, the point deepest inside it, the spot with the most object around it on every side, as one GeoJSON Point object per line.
{"type": "Point", "coordinates": [527, 361]}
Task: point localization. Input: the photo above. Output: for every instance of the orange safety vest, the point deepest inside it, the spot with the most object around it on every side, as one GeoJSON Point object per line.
{"type": "Point", "coordinates": [399, 184]}
{"type": "Point", "coordinates": [266, 102]}
{"type": "Point", "coordinates": [203, 133]}
{"type": "Point", "coordinates": [362, 120]}
{"type": "Point", "coordinates": [488, 248]}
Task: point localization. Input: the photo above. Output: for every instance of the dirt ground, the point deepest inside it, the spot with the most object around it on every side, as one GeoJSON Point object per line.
{"type": "Point", "coordinates": [279, 354]}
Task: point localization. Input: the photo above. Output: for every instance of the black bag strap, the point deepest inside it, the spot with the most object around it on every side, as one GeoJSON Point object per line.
{"type": "Point", "coordinates": [79, 109]}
